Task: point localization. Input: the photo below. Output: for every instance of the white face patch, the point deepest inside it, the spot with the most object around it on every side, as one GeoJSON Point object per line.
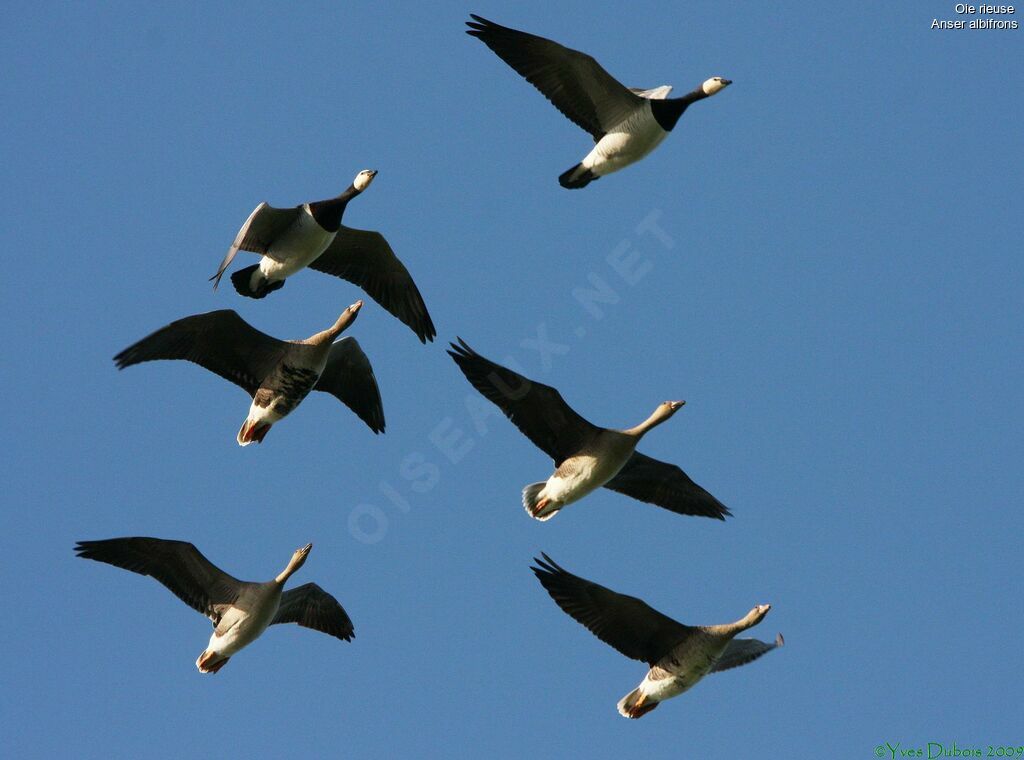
{"type": "Point", "coordinates": [363, 179]}
{"type": "Point", "coordinates": [713, 85]}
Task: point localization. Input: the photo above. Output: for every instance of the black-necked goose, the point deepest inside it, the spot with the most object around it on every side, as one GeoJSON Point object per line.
{"type": "Point", "coordinates": [240, 610]}
{"type": "Point", "coordinates": [586, 456]}
{"type": "Point", "coordinates": [679, 655]}
{"type": "Point", "coordinates": [278, 374]}
{"type": "Point", "coordinates": [626, 123]}
{"type": "Point", "coordinates": [312, 235]}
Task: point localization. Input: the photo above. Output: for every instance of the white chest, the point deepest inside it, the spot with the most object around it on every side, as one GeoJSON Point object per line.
{"type": "Point", "coordinates": [587, 472]}
{"type": "Point", "coordinates": [626, 144]}
{"type": "Point", "coordinates": [241, 627]}
{"type": "Point", "coordinates": [296, 247]}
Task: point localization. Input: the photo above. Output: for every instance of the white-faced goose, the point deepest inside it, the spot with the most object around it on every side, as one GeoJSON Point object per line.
{"type": "Point", "coordinates": [240, 610]}
{"type": "Point", "coordinates": [586, 456]}
{"type": "Point", "coordinates": [278, 374]}
{"type": "Point", "coordinates": [626, 123]}
{"type": "Point", "coordinates": [679, 655]}
{"type": "Point", "coordinates": [312, 235]}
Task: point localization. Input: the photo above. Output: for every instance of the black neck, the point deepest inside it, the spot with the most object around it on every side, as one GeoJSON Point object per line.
{"type": "Point", "coordinates": [328, 213]}
{"type": "Point", "coordinates": [667, 112]}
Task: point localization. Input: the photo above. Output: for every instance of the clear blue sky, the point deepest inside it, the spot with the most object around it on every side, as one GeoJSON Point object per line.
{"type": "Point", "coordinates": [839, 306]}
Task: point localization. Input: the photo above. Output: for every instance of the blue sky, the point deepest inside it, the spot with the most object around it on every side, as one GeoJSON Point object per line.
{"type": "Point", "coordinates": [833, 293]}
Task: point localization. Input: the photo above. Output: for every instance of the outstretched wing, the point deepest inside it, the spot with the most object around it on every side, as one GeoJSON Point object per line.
{"type": "Point", "coordinates": [178, 565]}
{"type": "Point", "coordinates": [741, 651]}
{"type": "Point", "coordinates": [667, 486]}
{"type": "Point", "coordinates": [363, 257]}
{"type": "Point", "coordinates": [573, 81]}
{"type": "Point", "coordinates": [538, 410]}
{"type": "Point", "coordinates": [220, 341]}
{"type": "Point", "coordinates": [260, 230]}
{"type": "Point", "coordinates": [349, 377]}
{"type": "Point", "coordinates": [624, 622]}
{"type": "Point", "coordinates": [312, 607]}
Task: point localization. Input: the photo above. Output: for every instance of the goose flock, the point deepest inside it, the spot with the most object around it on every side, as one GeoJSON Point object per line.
{"type": "Point", "coordinates": [626, 125]}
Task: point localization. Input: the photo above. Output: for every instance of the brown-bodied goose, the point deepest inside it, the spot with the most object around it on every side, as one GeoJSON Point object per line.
{"type": "Point", "coordinates": [586, 456]}
{"type": "Point", "coordinates": [626, 123]}
{"type": "Point", "coordinates": [679, 655]}
{"type": "Point", "coordinates": [312, 235]}
{"type": "Point", "coordinates": [240, 610]}
{"type": "Point", "coordinates": [278, 374]}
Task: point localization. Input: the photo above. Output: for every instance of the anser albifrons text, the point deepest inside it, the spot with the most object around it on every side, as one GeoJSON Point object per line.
{"type": "Point", "coordinates": [240, 610]}
{"type": "Point", "coordinates": [586, 456]}
{"type": "Point", "coordinates": [679, 655]}
{"type": "Point", "coordinates": [626, 123]}
{"type": "Point", "coordinates": [278, 374]}
{"type": "Point", "coordinates": [312, 235]}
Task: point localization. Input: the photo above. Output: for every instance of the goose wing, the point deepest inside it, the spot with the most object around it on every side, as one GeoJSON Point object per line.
{"type": "Point", "coordinates": [349, 377]}
{"type": "Point", "coordinates": [573, 81]}
{"type": "Point", "coordinates": [655, 93]}
{"type": "Point", "coordinates": [178, 565]}
{"type": "Point", "coordinates": [258, 233]}
{"type": "Point", "coordinates": [626, 623]}
{"type": "Point", "coordinates": [312, 607]}
{"type": "Point", "coordinates": [363, 257]}
{"type": "Point", "coordinates": [667, 486]}
{"type": "Point", "coordinates": [220, 341]}
{"type": "Point", "coordinates": [741, 651]}
{"type": "Point", "coordinates": [538, 410]}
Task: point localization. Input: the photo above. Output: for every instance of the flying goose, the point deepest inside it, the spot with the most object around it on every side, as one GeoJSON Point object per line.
{"type": "Point", "coordinates": [278, 374]}
{"type": "Point", "coordinates": [312, 235]}
{"type": "Point", "coordinates": [679, 655]}
{"type": "Point", "coordinates": [586, 456]}
{"type": "Point", "coordinates": [240, 610]}
{"type": "Point", "coordinates": [626, 123]}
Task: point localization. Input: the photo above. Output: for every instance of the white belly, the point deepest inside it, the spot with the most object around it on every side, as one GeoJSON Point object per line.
{"type": "Point", "coordinates": [666, 688]}
{"type": "Point", "coordinates": [264, 415]}
{"type": "Point", "coordinates": [588, 474]}
{"type": "Point", "coordinates": [296, 248]}
{"type": "Point", "coordinates": [243, 628]}
{"type": "Point", "coordinates": [626, 144]}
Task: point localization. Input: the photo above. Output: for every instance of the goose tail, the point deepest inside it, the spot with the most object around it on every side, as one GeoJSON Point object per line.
{"type": "Point", "coordinates": [211, 662]}
{"type": "Point", "coordinates": [251, 284]}
{"type": "Point", "coordinates": [537, 507]}
{"type": "Point", "coordinates": [252, 431]}
{"type": "Point", "coordinates": [634, 705]}
{"type": "Point", "coordinates": [576, 177]}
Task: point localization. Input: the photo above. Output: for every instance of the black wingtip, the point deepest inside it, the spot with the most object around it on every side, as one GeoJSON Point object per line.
{"type": "Point", "coordinates": [84, 549]}
{"type": "Point", "coordinates": [481, 26]}
{"type": "Point", "coordinates": [461, 350]}
{"type": "Point", "coordinates": [546, 567]}
{"type": "Point", "coordinates": [428, 333]}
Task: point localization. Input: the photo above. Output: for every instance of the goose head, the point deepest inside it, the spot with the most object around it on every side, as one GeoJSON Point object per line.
{"type": "Point", "coordinates": [756, 615]}
{"type": "Point", "coordinates": [298, 560]}
{"type": "Point", "coordinates": [713, 85]}
{"type": "Point", "coordinates": [363, 179]}
{"type": "Point", "coordinates": [665, 410]}
{"type": "Point", "coordinates": [326, 337]}
{"type": "Point", "coordinates": [348, 316]}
